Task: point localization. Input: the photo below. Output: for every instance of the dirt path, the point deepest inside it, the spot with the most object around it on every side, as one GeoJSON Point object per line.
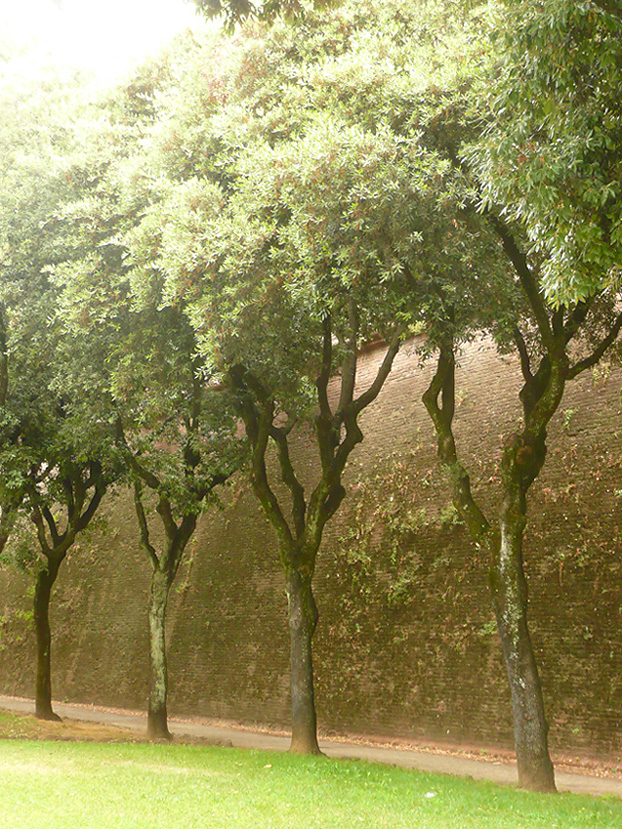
{"type": "Point", "coordinates": [234, 735]}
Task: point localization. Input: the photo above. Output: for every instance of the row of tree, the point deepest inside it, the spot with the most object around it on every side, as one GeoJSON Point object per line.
{"type": "Point", "coordinates": [191, 265]}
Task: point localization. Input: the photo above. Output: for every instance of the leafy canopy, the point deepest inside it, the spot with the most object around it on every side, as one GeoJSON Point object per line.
{"type": "Point", "coordinates": [552, 155]}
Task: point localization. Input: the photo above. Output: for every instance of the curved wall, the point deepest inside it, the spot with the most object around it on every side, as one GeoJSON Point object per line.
{"type": "Point", "coordinates": [406, 645]}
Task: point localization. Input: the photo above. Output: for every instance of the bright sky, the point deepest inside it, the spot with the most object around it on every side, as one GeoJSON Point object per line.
{"type": "Point", "coordinates": [104, 36]}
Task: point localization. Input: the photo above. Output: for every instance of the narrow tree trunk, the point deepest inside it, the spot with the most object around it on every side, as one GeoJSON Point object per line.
{"type": "Point", "coordinates": [303, 618]}
{"type": "Point", "coordinates": [509, 591]}
{"type": "Point", "coordinates": [157, 717]}
{"type": "Point", "coordinates": [43, 693]}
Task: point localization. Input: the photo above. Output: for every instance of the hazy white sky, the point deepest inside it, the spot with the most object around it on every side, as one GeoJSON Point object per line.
{"type": "Point", "coordinates": [104, 36]}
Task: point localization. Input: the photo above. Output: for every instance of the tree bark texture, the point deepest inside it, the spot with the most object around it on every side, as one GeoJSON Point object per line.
{"type": "Point", "coordinates": [509, 592]}
{"type": "Point", "coordinates": [157, 716]}
{"type": "Point", "coordinates": [43, 690]}
{"type": "Point", "coordinates": [303, 617]}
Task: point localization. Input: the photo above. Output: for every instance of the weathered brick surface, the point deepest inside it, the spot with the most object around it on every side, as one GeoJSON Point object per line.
{"type": "Point", "coordinates": [405, 644]}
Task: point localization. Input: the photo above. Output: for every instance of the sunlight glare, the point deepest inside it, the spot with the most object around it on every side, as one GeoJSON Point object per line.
{"type": "Point", "coordinates": [105, 37]}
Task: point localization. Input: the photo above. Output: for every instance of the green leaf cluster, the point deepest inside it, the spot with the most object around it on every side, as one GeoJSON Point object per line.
{"type": "Point", "coordinates": [551, 153]}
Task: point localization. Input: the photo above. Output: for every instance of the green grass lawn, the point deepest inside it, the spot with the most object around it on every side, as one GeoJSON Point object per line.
{"type": "Point", "coordinates": [126, 786]}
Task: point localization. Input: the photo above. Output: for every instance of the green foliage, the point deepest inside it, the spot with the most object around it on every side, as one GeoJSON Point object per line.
{"type": "Point", "coordinates": [552, 155]}
{"type": "Point", "coordinates": [389, 522]}
{"type": "Point", "coordinates": [297, 212]}
{"type": "Point", "coordinates": [21, 549]}
{"type": "Point", "coordinates": [130, 342]}
{"type": "Point", "coordinates": [489, 629]}
{"type": "Point", "coordinates": [309, 165]}
{"type": "Point", "coordinates": [52, 450]}
{"type": "Point", "coordinates": [236, 11]}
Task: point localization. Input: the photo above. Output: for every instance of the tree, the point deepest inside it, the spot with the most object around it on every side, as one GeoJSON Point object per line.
{"type": "Point", "coordinates": [22, 105]}
{"type": "Point", "coordinates": [178, 437]}
{"type": "Point", "coordinates": [62, 502]}
{"type": "Point", "coordinates": [453, 298]}
{"type": "Point", "coordinates": [180, 456]}
{"type": "Point", "coordinates": [53, 455]}
{"type": "Point", "coordinates": [553, 345]}
{"type": "Point", "coordinates": [174, 431]}
{"type": "Point", "coordinates": [277, 343]}
{"type": "Point", "coordinates": [53, 472]}
{"type": "Point", "coordinates": [544, 341]}
{"type": "Point", "coordinates": [296, 223]}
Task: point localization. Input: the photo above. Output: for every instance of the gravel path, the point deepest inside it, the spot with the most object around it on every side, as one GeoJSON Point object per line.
{"type": "Point", "coordinates": [240, 737]}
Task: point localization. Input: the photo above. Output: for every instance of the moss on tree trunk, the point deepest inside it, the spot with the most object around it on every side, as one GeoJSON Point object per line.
{"type": "Point", "coordinates": [303, 617]}
{"type": "Point", "coordinates": [509, 593]}
{"type": "Point", "coordinates": [157, 716]}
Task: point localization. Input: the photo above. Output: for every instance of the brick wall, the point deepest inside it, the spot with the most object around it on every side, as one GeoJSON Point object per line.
{"type": "Point", "coordinates": [405, 645]}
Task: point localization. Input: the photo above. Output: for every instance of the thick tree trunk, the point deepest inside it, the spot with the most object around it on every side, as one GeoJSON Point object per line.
{"type": "Point", "coordinates": [509, 591]}
{"type": "Point", "coordinates": [43, 693]}
{"type": "Point", "coordinates": [157, 716]}
{"type": "Point", "coordinates": [303, 618]}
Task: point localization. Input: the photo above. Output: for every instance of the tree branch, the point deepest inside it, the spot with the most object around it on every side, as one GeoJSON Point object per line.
{"type": "Point", "coordinates": [526, 277]}
{"type": "Point", "coordinates": [598, 352]}
{"type": "Point", "coordinates": [288, 476]}
{"type": "Point", "coordinates": [55, 535]}
{"type": "Point", "coordinates": [442, 385]}
{"type": "Point", "coordinates": [37, 519]}
{"type": "Point", "coordinates": [165, 512]}
{"type": "Point", "coordinates": [383, 372]}
{"type": "Point", "coordinates": [557, 321]}
{"type": "Point", "coordinates": [576, 319]}
{"type": "Point", "coordinates": [152, 481]}
{"type": "Point", "coordinates": [258, 424]}
{"type": "Point", "coordinates": [521, 347]}
{"type": "Point", "coordinates": [143, 527]}
{"type": "Point", "coordinates": [323, 378]}
{"type": "Point", "coordinates": [71, 487]}
{"type": "Point", "coordinates": [348, 367]}
{"type": "Point", "coordinates": [85, 518]}
{"type": "Point", "coordinates": [183, 535]}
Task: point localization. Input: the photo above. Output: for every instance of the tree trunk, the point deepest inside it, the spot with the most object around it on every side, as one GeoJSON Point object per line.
{"type": "Point", "coordinates": [43, 590]}
{"type": "Point", "coordinates": [303, 618]}
{"type": "Point", "coordinates": [157, 717]}
{"type": "Point", "coordinates": [509, 591]}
